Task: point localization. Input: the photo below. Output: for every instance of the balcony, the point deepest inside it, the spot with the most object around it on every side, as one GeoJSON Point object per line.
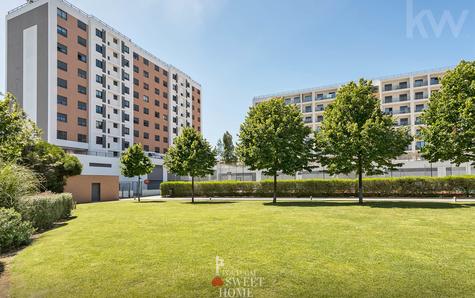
{"type": "Point", "coordinates": [421, 97]}
{"type": "Point", "coordinates": [390, 87]}
{"type": "Point", "coordinates": [420, 84]}
{"type": "Point", "coordinates": [326, 96]}
{"type": "Point", "coordinates": [307, 120]}
{"type": "Point", "coordinates": [434, 81]}
{"type": "Point", "coordinates": [395, 99]}
{"type": "Point", "coordinates": [402, 111]}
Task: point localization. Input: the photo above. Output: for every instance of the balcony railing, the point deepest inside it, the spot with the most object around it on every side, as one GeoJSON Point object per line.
{"type": "Point", "coordinates": [396, 99]}
{"type": "Point", "coordinates": [425, 96]}
{"type": "Point", "coordinates": [420, 84]}
{"type": "Point", "coordinates": [326, 96]}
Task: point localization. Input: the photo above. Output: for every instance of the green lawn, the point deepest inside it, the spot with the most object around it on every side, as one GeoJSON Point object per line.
{"type": "Point", "coordinates": [298, 249]}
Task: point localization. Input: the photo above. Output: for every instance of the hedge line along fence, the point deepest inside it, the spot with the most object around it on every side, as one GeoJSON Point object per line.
{"type": "Point", "coordinates": [459, 186]}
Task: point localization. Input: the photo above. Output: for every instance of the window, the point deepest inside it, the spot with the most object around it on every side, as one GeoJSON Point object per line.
{"type": "Point", "coordinates": [62, 31]}
{"type": "Point", "coordinates": [146, 86]}
{"type": "Point", "coordinates": [157, 103]}
{"type": "Point", "coordinates": [157, 126]}
{"type": "Point", "coordinates": [146, 147]}
{"type": "Point", "coordinates": [136, 94]}
{"type": "Point", "coordinates": [62, 117]}
{"type": "Point", "coordinates": [62, 65]}
{"type": "Point", "coordinates": [165, 83]}
{"type": "Point", "coordinates": [157, 91]}
{"type": "Point", "coordinates": [82, 121]}
{"type": "Point", "coordinates": [157, 149]}
{"type": "Point", "coordinates": [146, 111]}
{"type": "Point", "coordinates": [125, 49]}
{"type": "Point", "coordinates": [82, 73]}
{"type": "Point", "coordinates": [61, 100]}
{"type": "Point", "coordinates": [82, 138]}
{"type": "Point", "coordinates": [82, 57]}
{"type": "Point", "coordinates": [136, 133]}
{"type": "Point", "coordinates": [61, 135]}
{"type": "Point", "coordinates": [82, 105]}
{"type": "Point", "coordinates": [99, 124]}
{"type": "Point", "coordinates": [115, 40]}
{"type": "Point", "coordinates": [99, 79]}
{"type": "Point", "coordinates": [115, 111]}
{"type": "Point", "coordinates": [82, 41]}
{"type": "Point", "coordinates": [136, 107]}
{"type": "Point", "coordinates": [99, 109]}
{"type": "Point", "coordinates": [82, 89]}
{"type": "Point", "coordinates": [99, 33]}
{"type": "Point", "coordinates": [146, 136]}
{"type": "Point", "coordinates": [145, 74]}
{"type": "Point", "coordinates": [136, 56]}
{"type": "Point", "coordinates": [62, 48]}
{"type": "Point", "coordinates": [99, 64]}
{"type": "Point", "coordinates": [99, 49]}
{"type": "Point", "coordinates": [99, 140]}
{"type": "Point", "coordinates": [165, 73]}
{"type": "Point", "coordinates": [146, 98]}
{"type": "Point", "coordinates": [136, 69]}
{"type": "Point", "coordinates": [62, 14]}
{"type": "Point", "coordinates": [99, 94]}
{"type": "Point", "coordinates": [82, 25]}
{"type": "Point", "coordinates": [165, 94]}
{"type": "Point", "coordinates": [136, 81]}
{"type": "Point", "coordinates": [145, 61]}
{"type": "Point", "coordinates": [157, 115]}
{"type": "Point", "coordinates": [62, 83]}
{"type": "Point", "coordinates": [115, 55]}
{"type": "Point", "coordinates": [165, 128]}
{"type": "Point", "coordinates": [157, 80]}
{"type": "Point", "coordinates": [136, 120]}
{"type": "Point", "coordinates": [146, 123]}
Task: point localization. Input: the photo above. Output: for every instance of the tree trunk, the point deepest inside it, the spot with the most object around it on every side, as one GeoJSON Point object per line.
{"type": "Point", "coordinates": [360, 182]}
{"type": "Point", "coordinates": [274, 200]}
{"type": "Point", "coordinates": [139, 188]}
{"type": "Point", "coordinates": [192, 189]}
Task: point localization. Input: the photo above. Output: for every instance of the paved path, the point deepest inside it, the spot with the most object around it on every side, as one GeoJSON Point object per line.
{"type": "Point", "coordinates": [441, 200]}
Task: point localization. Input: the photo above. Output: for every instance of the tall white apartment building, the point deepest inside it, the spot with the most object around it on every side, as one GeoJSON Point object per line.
{"type": "Point", "coordinates": [94, 92]}
{"type": "Point", "coordinates": [404, 96]}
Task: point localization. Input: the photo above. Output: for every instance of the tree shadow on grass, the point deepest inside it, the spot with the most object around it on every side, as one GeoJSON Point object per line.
{"type": "Point", "coordinates": [149, 202]}
{"type": "Point", "coordinates": [372, 204]}
{"type": "Point", "coordinates": [209, 202]}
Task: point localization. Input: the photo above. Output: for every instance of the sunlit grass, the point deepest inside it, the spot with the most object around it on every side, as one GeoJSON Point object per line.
{"type": "Point", "coordinates": [299, 249]}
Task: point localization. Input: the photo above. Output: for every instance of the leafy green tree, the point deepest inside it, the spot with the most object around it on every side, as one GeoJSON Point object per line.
{"type": "Point", "coordinates": [219, 149]}
{"type": "Point", "coordinates": [134, 163]}
{"type": "Point", "coordinates": [274, 138]}
{"type": "Point", "coordinates": [190, 155]}
{"type": "Point", "coordinates": [16, 130]}
{"type": "Point", "coordinates": [229, 154]}
{"type": "Point", "coordinates": [356, 136]}
{"type": "Point", "coordinates": [52, 162]}
{"type": "Point", "coordinates": [16, 181]}
{"type": "Point", "coordinates": [450, 118]}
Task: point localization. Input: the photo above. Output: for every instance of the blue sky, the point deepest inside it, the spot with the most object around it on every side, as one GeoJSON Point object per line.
{"type": "Point", "coordinates": [241, 48]}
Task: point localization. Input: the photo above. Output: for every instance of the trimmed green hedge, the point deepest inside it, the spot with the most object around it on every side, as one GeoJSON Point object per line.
{"type": "Point", "coordinates": [13, 231]}
{"type": "Point", "coordinates": [460, 186]}
{"type": "Point", "coordinates": [44, 210]}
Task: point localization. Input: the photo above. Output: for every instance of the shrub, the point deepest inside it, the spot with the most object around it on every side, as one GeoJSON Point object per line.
{"type": "Point", "coordinates": [15, 182]}
{"type": "Point", "coordinates": [13, 231]}
{"type": "Point", "coordinates": [44, 210]}
{"type": "Point", "coordinates": [373, 187]}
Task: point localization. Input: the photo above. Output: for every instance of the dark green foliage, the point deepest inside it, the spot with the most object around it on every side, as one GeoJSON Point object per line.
{"type": "Point", "coordinates": [53, 163]}
{"type": "Point", "coordinates": [356, 136]}
{"type": "Point", "coordinates": [450, 118]}
{"type": "Point", "coordinates": [229, 154]}
{"type": "Point", "coordinates": [16, 181]}
{"type": "Point", "coordinates": [460, 186]}
{"type": "Point", "coordinates": [13, 231]}
{"type": "Point", "coordinates": [43, 210]}
{"type": "Point", "coordinates": [273, 138]}
{"type": "Point", "coordinates": [190, 155]}
{"type": "Point", "coordinates": [134, 163]}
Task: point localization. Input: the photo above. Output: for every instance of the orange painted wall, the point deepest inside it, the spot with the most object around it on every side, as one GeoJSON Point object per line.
{"type": "Point", "coordinates": [81, 187]}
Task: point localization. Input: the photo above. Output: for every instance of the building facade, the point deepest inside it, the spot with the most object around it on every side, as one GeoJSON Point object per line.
{"type": "Point", "coordinates": [94, 92]}
{"type": "Point", "coordinates": [404, 96]}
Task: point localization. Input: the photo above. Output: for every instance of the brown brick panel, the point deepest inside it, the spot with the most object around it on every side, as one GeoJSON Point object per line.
{"type": "Point", "coordinates": [71, 75]}
{"type": "Point", "coordinates": [196, 108]}
{"type": "Point", "coordinates": [150, 142]}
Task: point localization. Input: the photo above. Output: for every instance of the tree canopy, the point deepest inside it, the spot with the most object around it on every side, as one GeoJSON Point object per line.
{"type": "Point", "coordinates": [134, 163]}
{"type": "Point", "coordinates": [274, 138]}
{"type": "Point", "coordinates": [356, 136]}
{"type": "Point", "coordinates": [229, 154]}
{"type": "Point", "coordinates": [450, 118]}
{"type": "Point", "coordinates": [16, 130]}
{"type": "Point", "coordinates": [190, 155]}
